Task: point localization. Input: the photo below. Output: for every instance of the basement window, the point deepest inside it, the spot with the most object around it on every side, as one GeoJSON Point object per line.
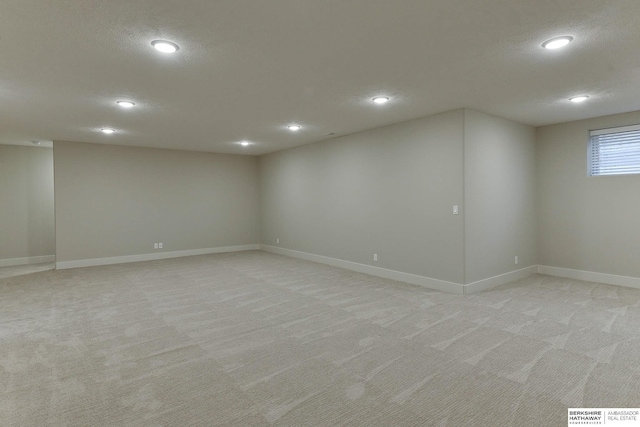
{"type": "Point", "coordinates": [614, 151]}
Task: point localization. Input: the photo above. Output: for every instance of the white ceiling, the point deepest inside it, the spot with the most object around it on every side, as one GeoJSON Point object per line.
{"type": "Point", "coordinates": [247, 68]}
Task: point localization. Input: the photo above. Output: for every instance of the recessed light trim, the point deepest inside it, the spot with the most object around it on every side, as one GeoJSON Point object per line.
{"type": "Point", "coordinates": [294, 128]}
{"type": "Point", "coordinates": [578, 99]}
{"type": "Point", "coordinates": [557, 42]}
{"type": "Point", "coordinates": [126, 104]}
{"type": "Point", "coordinates": [108, 131]}
{"type": "Point", "coordinates": [36, 142]}
{"type": "Point", "coordinates": [381, 99]}
{"type": "Point", "coordinates": [165, 46]}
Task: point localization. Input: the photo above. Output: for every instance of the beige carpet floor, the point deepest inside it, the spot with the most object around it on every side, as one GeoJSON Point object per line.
{"type": "Point", "coordinates": [19, 270]}
{"type": "Point", "coordinates": [256, 339]}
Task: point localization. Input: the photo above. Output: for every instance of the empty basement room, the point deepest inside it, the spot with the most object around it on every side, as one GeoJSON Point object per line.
{"type": "Point", "coordinates": [319, 213]}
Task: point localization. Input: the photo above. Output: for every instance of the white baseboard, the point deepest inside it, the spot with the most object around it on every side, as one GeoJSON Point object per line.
{"type": "Point", "coordinates": [152, 256]}
{"type": "Point", "coordinates": [427, 282]}
{"type": "Point", "coordinates": [28, 260]}
{"type": "Point", "coordinates": [502, 279]}
{"type": "Point", "coordinates": [590, 276]}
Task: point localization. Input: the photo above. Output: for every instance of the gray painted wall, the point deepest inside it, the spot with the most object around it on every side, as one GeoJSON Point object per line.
{"type": "Point", "coordinates": [500, 188]}
{"type": "Point", "coordinates": [388, 191]}
{"type": "Point", "coordinates": [391, 191]}
{"type": "Point", "coordinates": [115, 201]}
{"type": "Point", "coordinates": [585, 223]}
{"type": "Point", "coordinates": [26, 202]}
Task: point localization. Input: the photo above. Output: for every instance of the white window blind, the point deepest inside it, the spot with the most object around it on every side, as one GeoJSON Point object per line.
{"type": "Point", "coordinates": [614, 151]}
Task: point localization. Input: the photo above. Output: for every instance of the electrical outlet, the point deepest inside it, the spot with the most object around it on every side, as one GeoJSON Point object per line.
{"type": "Point", "coordinates": [516, 259]}
{"type": "Point", "coordinates": [375, 257]}
{"type": "Point", "coordinates": [155, 246]}
{"type": "Point", "coordinates": [277, 241]}
{"type": "Point", "coordinates": [159, 245]}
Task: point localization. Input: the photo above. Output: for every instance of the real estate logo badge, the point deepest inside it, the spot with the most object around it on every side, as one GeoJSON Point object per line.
{"type": "Point", "coordinates": [627, 417]}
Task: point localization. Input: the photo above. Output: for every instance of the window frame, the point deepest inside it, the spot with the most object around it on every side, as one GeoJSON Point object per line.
{"type": "Point", "coordinates": [608, 131]}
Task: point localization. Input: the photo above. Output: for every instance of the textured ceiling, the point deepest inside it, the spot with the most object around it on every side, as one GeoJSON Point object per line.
{"type": "Point", "coordinates": [247, 68]}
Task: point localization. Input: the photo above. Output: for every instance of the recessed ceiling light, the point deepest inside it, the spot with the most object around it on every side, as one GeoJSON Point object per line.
{"type": "Point", "coordinates": [579, 99]}
{"type": "Point", "coordinates": [245, 143]}
{"type": "Point", "coordinates": [294, 128]}
{"type": "Point", "coordinates": [557, 42]}
{"type": "Point", "coordinates": [36, 142]}
{"type": "Point", "coordinates": [381, 99]}
{"type": "Point", "coordinates": [108, 131]}
{"type": "Point", "coordinates": [165, 46]}
{"type": "Point", "coordinates": [125, 104]}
